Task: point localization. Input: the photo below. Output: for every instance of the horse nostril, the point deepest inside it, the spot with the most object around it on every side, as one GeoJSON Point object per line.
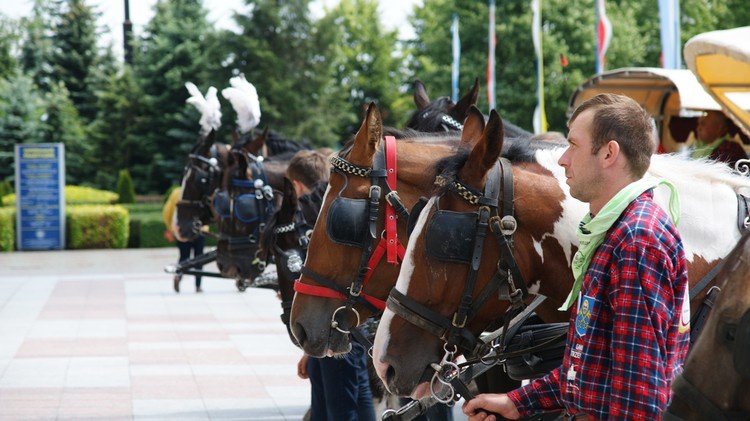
{"type": "Point", "coordinates": [299, 333]}
{"type": "Point", "coordinates": [390, 374]}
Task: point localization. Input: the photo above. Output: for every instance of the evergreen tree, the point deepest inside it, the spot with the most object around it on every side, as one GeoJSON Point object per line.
{"type": "Point", "coordinates": [74, 54]}
{"type": "Point", "coordinates": [119, 110]}
{"type": "Point", "coordinates": [9, 41]}
{"type": "Point", "coordinates": [172, 51]}
{"type": "Point", "coordinates": [61, 124]}
{"type": "Point", "coordinates": [37, 49]}
{"type": "Point", "coordinates": [21, 108]}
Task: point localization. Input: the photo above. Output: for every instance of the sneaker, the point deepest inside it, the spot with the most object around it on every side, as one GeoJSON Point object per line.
{"type": "Point", "coordinates": [198, 290]}
{"type": "Point", "coordinates": [177, 279]}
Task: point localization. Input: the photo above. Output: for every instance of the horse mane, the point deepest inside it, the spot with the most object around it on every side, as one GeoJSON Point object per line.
{"type": "Point", "coordinates": [277, 143]}
{"type": "Point", "coordinates": [697, 171]}
{"type": "Point", "coordinates": [405, 135]}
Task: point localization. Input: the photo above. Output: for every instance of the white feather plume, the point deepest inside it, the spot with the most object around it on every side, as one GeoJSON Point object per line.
{"type": "Point", "coordinates": [209, 107]}
{"type": "Point", "coordinates": [244, 98]}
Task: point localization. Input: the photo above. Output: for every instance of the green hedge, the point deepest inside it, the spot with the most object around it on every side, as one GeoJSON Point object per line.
{"type": "Point", "coordinates": [75, 195]}
{"type": "Point", "coordinates": [7, 228]}
{"type": "Point", "coordinates": [97, 226]}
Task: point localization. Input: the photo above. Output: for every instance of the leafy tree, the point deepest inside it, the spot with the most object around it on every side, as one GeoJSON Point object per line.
{"type": "Point", "coordinates": [21, 108]}
{"type": "Point", "coordinates": [171, 51]}
{"type": "Point", "coordinates": [364, 61]}
{"type": "Point", "coordinates": [284, 54]}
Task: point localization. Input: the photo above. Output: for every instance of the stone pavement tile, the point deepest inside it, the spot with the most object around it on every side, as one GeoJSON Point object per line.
{"type": "Point", "coordinates": [145, 409]}
{"type": "Point", "coordinates": [233, 387]}
{"type": "Point", "coordinates": [33, 348]}
{"type": "Point", "coordinates": [164, 387]}
{"type": "Point", "coordinates": [157, 356]}
{"type": "Point", "coordinates": [214, 356]}
{"type": "Point", "coordinates": [252, 410]}
{"type": "Point", "coordinates": [98, 372]}
{"type": "Point", "coordinates": [96, 403]}
{"type": "Point", "coordinates": [35, 373]}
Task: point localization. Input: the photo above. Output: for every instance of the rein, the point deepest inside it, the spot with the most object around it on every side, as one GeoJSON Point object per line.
{"type": "Point", "coordinates": [382, 173]}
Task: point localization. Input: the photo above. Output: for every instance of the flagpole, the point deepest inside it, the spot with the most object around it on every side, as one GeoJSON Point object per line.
{"type": "Point", "coordinates": [456, 58]}
{"type": "Point", "coordinates": [491, 57]}
{"type": "Point", "coordinates": [540, 116]}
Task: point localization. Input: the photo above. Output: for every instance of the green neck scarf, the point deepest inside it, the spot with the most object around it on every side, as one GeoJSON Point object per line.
{"type": "Point", "coordinates": [704, 150]}
{"type": "Point", "coordinates": [592, 231]}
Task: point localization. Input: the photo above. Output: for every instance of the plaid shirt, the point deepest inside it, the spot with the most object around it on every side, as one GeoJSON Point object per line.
{"type": "Point", "coordinates": [632, 336]}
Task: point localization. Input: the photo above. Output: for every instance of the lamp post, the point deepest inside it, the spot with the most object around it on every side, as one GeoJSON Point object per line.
{"type": "Point", "coordinates": [127, 32]}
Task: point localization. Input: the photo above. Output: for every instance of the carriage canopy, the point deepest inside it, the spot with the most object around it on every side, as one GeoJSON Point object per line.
{"type": "Point", "coordinates": [721, 63]}
{"type": "Point", "coordinates": [674, 98]}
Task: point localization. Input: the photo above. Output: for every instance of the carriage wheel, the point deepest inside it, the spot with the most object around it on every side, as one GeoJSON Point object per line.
{"type": "Point", "coordinates": [241, 285]}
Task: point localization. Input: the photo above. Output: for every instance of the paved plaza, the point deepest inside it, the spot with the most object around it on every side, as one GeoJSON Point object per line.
{"type": "Point", "coordinates": [100, 334]}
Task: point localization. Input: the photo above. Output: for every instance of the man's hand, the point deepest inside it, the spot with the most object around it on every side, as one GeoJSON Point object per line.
{"type": "Point", "coordinates": [302, 367]}
{"type": "Point", "coordinates": [168, 236]}
{"type": "Point", "coordinates": [479, 407]}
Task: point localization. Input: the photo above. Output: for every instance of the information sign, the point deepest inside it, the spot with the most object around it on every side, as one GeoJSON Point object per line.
{"type": "Point", "coordinates": [40, 196]}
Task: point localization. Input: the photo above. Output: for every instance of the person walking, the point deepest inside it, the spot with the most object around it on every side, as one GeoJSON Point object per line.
{"type": "Point", "coordinates": [629, 326]}
{"type": "Point", "coordinates": [186, 248]}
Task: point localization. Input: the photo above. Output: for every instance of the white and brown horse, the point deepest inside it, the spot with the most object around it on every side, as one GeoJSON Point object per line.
{"type": "Point", "coordinates": [537, 253]}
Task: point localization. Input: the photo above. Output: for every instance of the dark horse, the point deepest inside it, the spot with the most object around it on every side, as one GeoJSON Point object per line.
{"type": "Point", "coordinates": [250, 193]}
{"type": "Point", "coordinates": [524, 248]}
{"type": "Point", "coordinates": [715, 384]}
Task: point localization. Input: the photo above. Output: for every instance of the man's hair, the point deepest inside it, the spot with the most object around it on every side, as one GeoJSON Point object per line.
{"type": "Point", "coordinates": [620, 118]}
{"type": "Point", "coordinates": [308, 167]}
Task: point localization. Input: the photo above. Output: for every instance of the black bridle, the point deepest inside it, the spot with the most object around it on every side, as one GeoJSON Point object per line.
{"type": "Point", "coordinates": [250, 201]}
{"type": "Point", "coordinates": [507, 281]}
{"type": "Point", "coordinates": [206, 178]}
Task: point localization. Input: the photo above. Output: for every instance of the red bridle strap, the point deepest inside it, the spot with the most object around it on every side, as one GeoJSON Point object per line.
{"type": "Point", "coordinates": [320, 291]}
{"type": "Point", "coordinates": [393, 243]}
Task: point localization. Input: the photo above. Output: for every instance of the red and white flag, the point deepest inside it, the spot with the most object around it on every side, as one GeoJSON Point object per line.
{"type": "Point", "coordinates": [603, 35]}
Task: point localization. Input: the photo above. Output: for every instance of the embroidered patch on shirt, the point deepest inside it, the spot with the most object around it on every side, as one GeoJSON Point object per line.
{"type": "Point", "coordinates": [684, 326]}
{"type": "Point", "coordinates": [583, 318]}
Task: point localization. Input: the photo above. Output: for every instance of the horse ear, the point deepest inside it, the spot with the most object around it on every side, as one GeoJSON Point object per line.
{"type": "Point", "coordinates": [473, 128]}
{"type": "Point", "coordinates": [486, 152]}
{"type": "Point", "coordinates": [368, 137]}
{"type": "Point", "coordinates": [256, 145]}
{"type": "Point", "coordinates": [421, 99]}
{"type": "Point", "coordinates": [462, 108]}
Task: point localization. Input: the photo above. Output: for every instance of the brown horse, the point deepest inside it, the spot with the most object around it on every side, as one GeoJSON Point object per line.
{"type": "Point", "coordinates": [526, 246]}
{"type": "Point", "coordinates": [715, 384]}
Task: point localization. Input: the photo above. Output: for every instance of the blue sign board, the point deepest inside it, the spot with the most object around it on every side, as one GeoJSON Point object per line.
{"type": "Point", "coordinates": [40, 196]}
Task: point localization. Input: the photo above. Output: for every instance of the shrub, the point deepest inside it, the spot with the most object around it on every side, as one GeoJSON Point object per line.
{"type": "Point", "coordinates": [76, 195]}
{"type": "Point", "coordinates": [97, 226]}
{"type": "Point", "coordinates": [125, 188]}
{"type": "Point", "coordinates": [7, 228]}
{"type": "Point", "coordinates": [5, 188]}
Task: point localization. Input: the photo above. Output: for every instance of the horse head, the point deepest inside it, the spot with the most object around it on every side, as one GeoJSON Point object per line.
{"type": "Point", "coordinates": [200, 180]}
{"type": "Point", "coordinates": [285, 240]}
{"type": "Point", "coordinates": [715, 380]}
{"type": "Point", "coordinates": [354, 255]}
{"type": "Point", "coordinates": [441, 114]}
{"type": "Point", "coordinates": [248, 197]}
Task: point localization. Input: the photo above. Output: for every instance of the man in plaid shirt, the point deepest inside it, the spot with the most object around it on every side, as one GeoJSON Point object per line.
{"type": "Point", "coordinates": [629, 325]}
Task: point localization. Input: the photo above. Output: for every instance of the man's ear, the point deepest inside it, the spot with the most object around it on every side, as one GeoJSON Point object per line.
{"type": "Point", "coordinates": [611, 153]}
